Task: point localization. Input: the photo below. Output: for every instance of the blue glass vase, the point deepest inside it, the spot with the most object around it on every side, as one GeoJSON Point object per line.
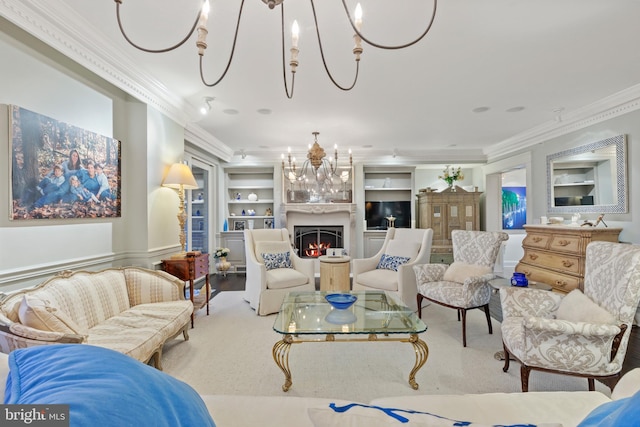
{"type": "Point", "coordinates": [519, 279]}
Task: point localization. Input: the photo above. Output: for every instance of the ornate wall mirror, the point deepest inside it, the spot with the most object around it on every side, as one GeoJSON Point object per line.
{"type": "Point", "coordinates": [589, 179]}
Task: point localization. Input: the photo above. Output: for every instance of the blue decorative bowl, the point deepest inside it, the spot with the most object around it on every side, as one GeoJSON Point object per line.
{"type": "Point", "coordinates": [520, 280]}
{"type": "Point", "coordinates": [341, 301]}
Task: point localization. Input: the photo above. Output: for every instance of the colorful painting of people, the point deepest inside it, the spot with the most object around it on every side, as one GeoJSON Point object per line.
{"type": "Point", "coordinates": [60, 171]}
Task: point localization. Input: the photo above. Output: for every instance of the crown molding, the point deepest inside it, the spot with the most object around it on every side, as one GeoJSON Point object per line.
{"type": "Point", "coordinates": [203, 139]}
{"type": "Point", "coordinates": [615, 105]}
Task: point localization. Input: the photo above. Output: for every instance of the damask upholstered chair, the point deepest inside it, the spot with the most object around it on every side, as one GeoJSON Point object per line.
{"type": "Point", "coordinates": [391, 269]}
{"type": "Point", "coordinates": [463, 285]}
{"type": "Point", "coordinates": [274, 269]}
{"type": "Point", "coordinates": [580, 334]}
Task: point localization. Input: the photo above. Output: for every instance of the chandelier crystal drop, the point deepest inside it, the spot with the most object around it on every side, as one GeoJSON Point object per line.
{"type": "Point", "coordinates": [201, 21]}
{"type": "Point", "coordinates": [318, 179]}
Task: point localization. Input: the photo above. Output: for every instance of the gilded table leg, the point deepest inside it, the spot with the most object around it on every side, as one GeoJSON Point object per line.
{"type": "Point", "coordinates": [281, 356]}
{"type": "Point", "coordinates": [422, 353]}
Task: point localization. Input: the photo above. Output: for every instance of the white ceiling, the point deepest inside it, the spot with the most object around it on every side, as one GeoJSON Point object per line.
{"type": "Point", "coordinates": [541, 55]}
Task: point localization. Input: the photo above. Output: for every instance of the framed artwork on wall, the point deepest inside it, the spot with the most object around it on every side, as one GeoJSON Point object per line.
{"type": "Point", "coordinates": [268, 223]}
{"type": "Point", "coordinates": [61, 171]}
{"type": "Point", "coordinates": [239, 224]}
{"type": "Point", "coordinates": [514, 208]}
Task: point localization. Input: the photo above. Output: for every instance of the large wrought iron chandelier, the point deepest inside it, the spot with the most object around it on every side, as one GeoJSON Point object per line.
{"type": "Point", "coordinates": [318, 179]}
{"type": "Point", "coordinates": [200, 25]}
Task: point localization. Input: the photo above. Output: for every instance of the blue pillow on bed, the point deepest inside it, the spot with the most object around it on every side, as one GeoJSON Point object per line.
{"type": "Point", "coordinates": [102, 387]}
{"type": "Point", "coordinates": [617, 413]}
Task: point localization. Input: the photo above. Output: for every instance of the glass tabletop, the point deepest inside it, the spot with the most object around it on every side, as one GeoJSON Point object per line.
{"type": "Point", "coordinates": [374, 312]}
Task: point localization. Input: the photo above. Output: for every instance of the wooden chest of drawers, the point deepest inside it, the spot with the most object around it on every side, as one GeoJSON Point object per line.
{"type": "Point", "coordinates": [555, 254]}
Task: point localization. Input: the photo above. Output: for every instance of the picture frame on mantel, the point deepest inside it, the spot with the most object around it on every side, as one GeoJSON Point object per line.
{"type": "Point", "coordinates": [239, 224]}
{"type": "Point", "coordinates": [60, 171]}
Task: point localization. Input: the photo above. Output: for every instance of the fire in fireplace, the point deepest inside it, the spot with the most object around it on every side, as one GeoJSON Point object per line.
{"type": "Point", "coordinates": [313, 241]}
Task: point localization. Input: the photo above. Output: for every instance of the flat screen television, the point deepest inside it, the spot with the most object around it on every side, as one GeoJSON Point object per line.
{"type": "Point", "coordinates": [376, 213]}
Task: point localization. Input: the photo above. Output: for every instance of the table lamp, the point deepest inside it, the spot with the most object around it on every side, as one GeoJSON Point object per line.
{"type": "Point", "coordinates": [181, 178]}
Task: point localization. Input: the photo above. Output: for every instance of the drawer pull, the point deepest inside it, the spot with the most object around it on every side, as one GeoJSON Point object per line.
{"type": "Point", "coordinates": [561, 283]}
{"type": "Point", "coordinates": [567, 263]}
{"type": "Point", "coordinates": [564, 242]}
{"type": "Point", "coordinates": [537, 239]}
{"type": "Point", "coordinates": [533, 257]}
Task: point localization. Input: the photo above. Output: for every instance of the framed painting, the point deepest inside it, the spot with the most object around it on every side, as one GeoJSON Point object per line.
{"type": "Point", "coordinates": [268, 223]}
{"type": "Point", "coordinates": [514, 208]}
{"type": "Point", "coordinates": [239, 224]}
{"type": "Point", "coordinates": [61, 171]}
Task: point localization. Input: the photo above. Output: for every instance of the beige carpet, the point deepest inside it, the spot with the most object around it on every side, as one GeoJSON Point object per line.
{"type": "Point", "coordinates": [229, 352]}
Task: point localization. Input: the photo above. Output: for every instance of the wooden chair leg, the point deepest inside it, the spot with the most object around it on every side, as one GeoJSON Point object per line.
{"type": "Point", "coordinates": [464, 326]}
{"type": "Point", "coordinates": [419, 299]}
{"type": "Point", "coordinates": [486, 312]}
{"type": "Point", "coordinates": [507, 356]}
{"type": "Point", "coordinates": [592, 384]}
{"type": "Point", "coordinates": [458, 315]}
{"type": "Point", "coordinates": [524, 377]}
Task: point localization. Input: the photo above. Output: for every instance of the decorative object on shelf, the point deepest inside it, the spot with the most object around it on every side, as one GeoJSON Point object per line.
{"type": "Point", "coordinates": [519, 279]}
{"type": "Point", "coordinates": [268, 223]}
{"type": "Point", "coordinates": [252, 197]}
{"type": "Point", "coordinates": [198, 212]}
{"type": "Point", "coordinates": [200, 25]}
{"type": "Point", "coordinates": [238, 196]}
{"type": "Point", "coordinates": [387, 183]}
{"type": "Point", "coordinates": [268, 212]}
{"type": "Point", "coordinates": [181, 178]}
{"type": "Point", "coordinates": [200, 195]}
{"type": "Point", "coordinates": [251, 223]}
{"type": "Point", "coordinates": [391, 221]}
{"type": "Point", "coordinates": [451, 175]}
{"type": "Point", "coordinates": [225, 226]}
{"type": "Point", "coordinates": [243, 212]}
{"type": "Point", "coordinates": [595, 224]}
{"type": "Point", "coordinates": [328, 174]}
{"type": "Point", "coordinates": [251, 212]}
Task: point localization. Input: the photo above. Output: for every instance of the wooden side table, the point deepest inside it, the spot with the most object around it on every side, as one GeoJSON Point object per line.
{"type": "Point", "coordinates": [190, 268]}
{"type": "Point", "coordinates": [334, 273]}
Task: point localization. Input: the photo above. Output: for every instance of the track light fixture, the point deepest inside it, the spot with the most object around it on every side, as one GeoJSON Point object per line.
{"type": "Point", "coordinates": [200, 25]}
{"type": "Point", "coordinates": [206, 107]}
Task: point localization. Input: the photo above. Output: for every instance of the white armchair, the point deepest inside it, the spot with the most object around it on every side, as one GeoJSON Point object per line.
{"type": "Point", "coordinates": [274, 269]}
{"type": "Point", "coordinates": [580, 334]}
{"type": "Point", "coordinates": [411, 245]}
{"type": "Point", "coordinates": [463, 285]}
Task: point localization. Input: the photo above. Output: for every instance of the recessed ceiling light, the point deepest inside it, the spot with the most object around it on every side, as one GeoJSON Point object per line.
{"type": "Point", "coordinates": [515, 109]}
{"type": "Point", "coordinates": [230, 111]}
{"type": "Point", "coordinates": [264, 111]}
{"type": "Point", "coordinates": [266, 147]}
{"type": "Point", "coordinates": [480, 109]}
{"type": "Point", "coordinates": [367, 146]}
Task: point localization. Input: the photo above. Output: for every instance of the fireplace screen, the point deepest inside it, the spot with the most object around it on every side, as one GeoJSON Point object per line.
{"type": "Point", "coordinates": [313, 241]}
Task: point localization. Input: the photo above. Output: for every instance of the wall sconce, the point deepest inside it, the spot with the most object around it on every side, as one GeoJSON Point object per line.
{"type": "Point", "coordinates": [181, 178]}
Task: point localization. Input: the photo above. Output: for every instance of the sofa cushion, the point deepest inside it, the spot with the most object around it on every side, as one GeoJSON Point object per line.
{"type": "Point", "coordinates": [40, 314]}
{"type": "Point", "coordinates": [577, 307]}
{"type": "Point", "coordinates": [402, 248]}
{"type": "Point", "coordinates": [122, 391]}
{"type": "Point", "coordinates": [281, 278]}
{"type": "Point", "coordinates": [276, 260]}
{"type": "Point", "coordinates": [459, 271]}
{"type": "Point", "coordinates": [618, 413]}
{"type": "Point", "coordinates": [391, 262]}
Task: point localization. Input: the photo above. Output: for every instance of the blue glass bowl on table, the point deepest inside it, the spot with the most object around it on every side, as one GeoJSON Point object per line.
{"type": "Point", "coordinates": [341, 301]}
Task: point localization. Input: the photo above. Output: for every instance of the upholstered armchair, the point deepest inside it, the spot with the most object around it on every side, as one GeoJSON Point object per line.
{"type": "Point", "coordinates": [274, 269]}
{"type": "Point", "coordinates": [580, 334]}
{"type": "Point", "coordinates": [463, 285]}
{"type": "Point", "coordinates": [391, 269]}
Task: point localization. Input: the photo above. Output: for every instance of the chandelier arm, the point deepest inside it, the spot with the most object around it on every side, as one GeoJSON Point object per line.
{"type": "Point", "coordinates": [233, 48]}
{"type": "Point", "coordinates": [177, 45]}
{"type": "Point", "coordinates": [284, 67]}
{"type": "Point", "coordinates": [379, 46]}
{"type": "Point", "coordinates": [324, 62]}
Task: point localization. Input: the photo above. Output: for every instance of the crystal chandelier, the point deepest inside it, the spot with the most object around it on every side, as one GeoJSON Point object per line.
{"type": "Point", "coordinates": [318, 179]}
{"type": "Point", "coordinates": [200, 25]}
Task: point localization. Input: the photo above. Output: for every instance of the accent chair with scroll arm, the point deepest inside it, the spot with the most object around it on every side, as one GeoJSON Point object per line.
{"type": "Point", "coordinates": [463, 285]}
{"type": "Point", "coordinates": [391, 269]}
{"type": "Point", "coordinates": [274, 269]}
{"type": "Point", "coordinates": [579, 334]}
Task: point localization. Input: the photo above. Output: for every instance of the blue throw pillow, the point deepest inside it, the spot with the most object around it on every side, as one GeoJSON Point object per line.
{"type": "Point", "coordinates": [279, 260]}
{"type": "Point", "coordinates": [617, 413]}
{"type": "Point", "coordinates": [389, 262]}
{"type": "Point", "coordinates": [102, 387]}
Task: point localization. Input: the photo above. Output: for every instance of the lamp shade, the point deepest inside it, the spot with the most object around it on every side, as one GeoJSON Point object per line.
{"type": "Point", "coordinates": [180, 175]}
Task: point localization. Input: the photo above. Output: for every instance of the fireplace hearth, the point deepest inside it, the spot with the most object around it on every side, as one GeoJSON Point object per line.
{"type": "Point", "coordinates": [313, 241]}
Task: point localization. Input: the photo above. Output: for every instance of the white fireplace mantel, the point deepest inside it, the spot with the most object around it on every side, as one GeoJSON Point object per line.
{"type": "Point", "coordinates": [293, 214]}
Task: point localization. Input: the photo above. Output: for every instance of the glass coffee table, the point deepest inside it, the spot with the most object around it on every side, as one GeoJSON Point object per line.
{"type": "Point", "coordinates": [375, 316]}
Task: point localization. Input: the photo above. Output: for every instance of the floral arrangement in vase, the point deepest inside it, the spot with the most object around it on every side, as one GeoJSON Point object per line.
{"type": "Point", "coordinates": [451, 175]}
{"type": "Point", "coordinates": [221, 253]}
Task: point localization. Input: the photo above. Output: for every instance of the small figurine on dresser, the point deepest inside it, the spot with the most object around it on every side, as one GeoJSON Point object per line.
{"type": "Point", "coordinates": [595, 224]}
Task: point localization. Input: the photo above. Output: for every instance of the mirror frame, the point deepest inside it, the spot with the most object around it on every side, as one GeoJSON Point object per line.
{"type": "Point", "coordinates": [620, 142]}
